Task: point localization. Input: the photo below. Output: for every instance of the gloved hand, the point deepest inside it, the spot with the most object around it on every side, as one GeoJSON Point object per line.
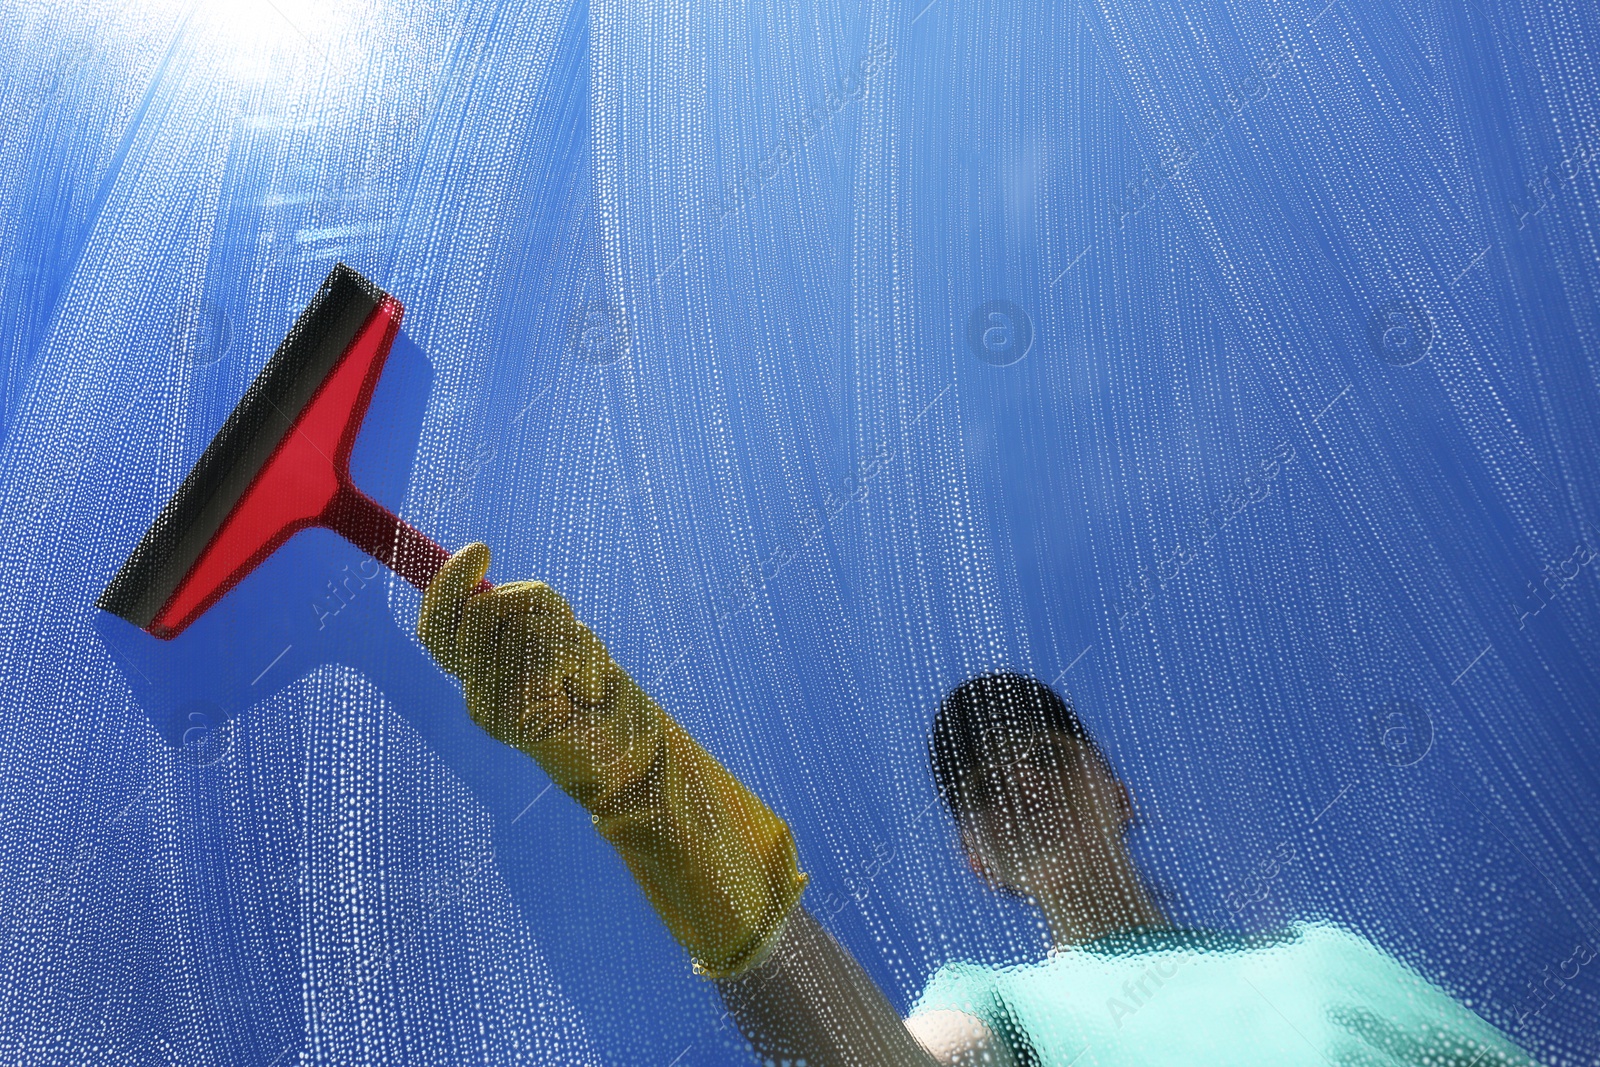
{"type": "Point", "coordinates": [715, 862]}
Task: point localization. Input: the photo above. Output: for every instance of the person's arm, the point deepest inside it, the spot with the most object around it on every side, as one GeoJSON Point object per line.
{"type": "Point", "coordinates": [717, 864]}
{"type": "Point", "coordinates": [810, 1000]}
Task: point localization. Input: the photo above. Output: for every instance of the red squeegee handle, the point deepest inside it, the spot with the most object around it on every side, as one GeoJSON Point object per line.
{"type": "Point", "coordinates": [393, 541]}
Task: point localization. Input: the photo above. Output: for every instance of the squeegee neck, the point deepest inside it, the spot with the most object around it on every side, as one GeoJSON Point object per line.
{"type": "Point", "coordinates": [376, 530]}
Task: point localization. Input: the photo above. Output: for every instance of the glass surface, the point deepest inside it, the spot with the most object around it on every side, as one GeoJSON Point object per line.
{"type": "Point", "coordinates": [1229, 367]}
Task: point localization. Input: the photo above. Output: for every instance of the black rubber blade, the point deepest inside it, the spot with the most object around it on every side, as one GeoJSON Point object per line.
{"type": "Point", "coordinates": [249, 437]}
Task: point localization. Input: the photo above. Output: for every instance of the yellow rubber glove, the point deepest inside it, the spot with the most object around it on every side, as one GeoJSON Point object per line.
{"type": "Point", "coordinates": [716, 863]}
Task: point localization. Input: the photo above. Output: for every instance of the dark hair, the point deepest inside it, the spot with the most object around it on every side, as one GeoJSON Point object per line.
{"type": "Point", "coordinates": [984, 713]}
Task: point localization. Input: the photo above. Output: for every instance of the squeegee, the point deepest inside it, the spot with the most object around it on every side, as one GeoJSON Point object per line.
{"type": "Point", "coordinates": [279, 464]}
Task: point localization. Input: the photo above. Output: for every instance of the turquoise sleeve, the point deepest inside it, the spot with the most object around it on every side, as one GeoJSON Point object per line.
{"type": "Point", "coordinates": [973, 988]}
{"type": "Point", "coordinates": [1392, 1009]}
{"type": "Point", "coordinates": [961, 986]}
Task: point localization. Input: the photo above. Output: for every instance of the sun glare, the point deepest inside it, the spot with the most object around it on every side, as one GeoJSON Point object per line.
{"type": "Point", "coordinates": [253, 37]}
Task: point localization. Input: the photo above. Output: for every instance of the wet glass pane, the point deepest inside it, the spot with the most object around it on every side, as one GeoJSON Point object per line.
{"type": "Point", "coordinates": [1114, 484]}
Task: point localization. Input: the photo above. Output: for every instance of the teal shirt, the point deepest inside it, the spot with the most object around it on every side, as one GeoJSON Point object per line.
{"type": "Point", "coordinates": [1313, 995]}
